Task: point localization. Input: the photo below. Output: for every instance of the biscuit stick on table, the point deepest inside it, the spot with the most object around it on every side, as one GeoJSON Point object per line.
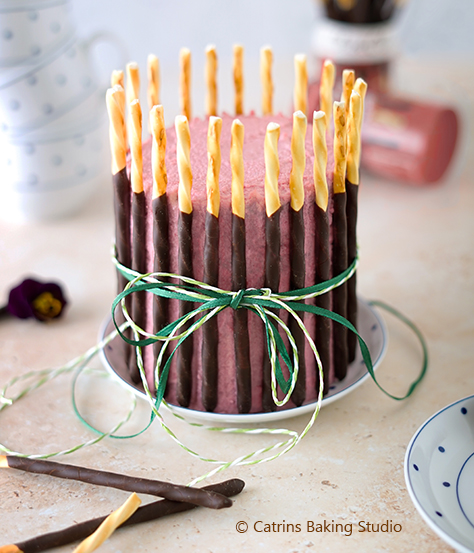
{"type": "Point", "coordinates": [297, 242]}
{"type": "Point", "coordinates": [322, 253]}
{"type": "Point", "coordinates": [339, 242]}
{"type": "Point", "coordinates": [115, 100]}
{"type": "Point", "coordinates": [239, 269]}
{"type": "Point", "coordinates": [300, 95]}
{"type": "Point", "coordinates": [160, 221]}
{"type": "Point", "coordinates": [238, 70]}
{"type": "Point", "coordinates": [185, 253]}
{"type": "Point", "coordinates": [185, 82]}
{"type": "Point", "coordinates": [211, 80]}
{"type": "Point", "coordinates": [272, 242]}
{"type": "Point", "coordinates": [145, 513]}
{"type": "Point", "coordinates": [266, 60]}
{"type": "Point", "coordinates": [352, 188]}
{"type": "Point", "coordinates": [139, 212]}
{"type": "Point", "coordinates": [109, 525]}
{"type": "Point", "coordinates": [211, 263]}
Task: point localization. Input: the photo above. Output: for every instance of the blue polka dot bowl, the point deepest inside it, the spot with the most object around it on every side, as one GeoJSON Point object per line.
{"type": "Point", "coordinates": [439, 472]}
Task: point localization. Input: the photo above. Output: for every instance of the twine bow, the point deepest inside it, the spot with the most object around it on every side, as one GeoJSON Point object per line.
{"type": "Point", "coordinates": [261, 301]}
{"type": "Point", "coordinates": [213, 300]}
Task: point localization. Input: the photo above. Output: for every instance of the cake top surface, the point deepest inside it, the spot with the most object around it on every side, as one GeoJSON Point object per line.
{"type": "Point", "coordinates": [253, 157]}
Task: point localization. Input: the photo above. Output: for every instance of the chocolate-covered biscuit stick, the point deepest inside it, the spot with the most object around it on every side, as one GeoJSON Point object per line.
{"type": "Point", "coordinates": [352, 188]}
{"type": "Point", "coordinates": [339, 245]}
{"type": "Point", "coordinates": [122, 193]}
{"type": "Point", "coordinates": [322, 254]}
{"type": "Point", "coordinates": [238, 71]}
{"type": "Point", "coordinates": [297, 242]}
{"type": "Point", "coordinates": [211, 264]}
{"type": "Point", "coordinates": [153, 90]}
{"type": "Point", "coordinates": [166, 490]}
{"type": "Point", "coordinates": [326, 86]}
{"type": "Point", "coordinates": [160, 221]}
{"type": "Point", "coordinates": [266, 60]}
{"type": "Point", "coordinates": [145, 513]}
{"type": "Point", "coordinates": [139, 210]}
{"type": "Point", "coordinates": [185, 82]}
{"type": "Point", "coordinates": [211, 80]}
{"type": "Point", "coordinates": [300, 93]}
{"type": "Point", "coordinates": [272, 242]}
{"type": "Point", "coordinates": [185, 253]}
{"type": "Point", "coordinates": [239, 270]}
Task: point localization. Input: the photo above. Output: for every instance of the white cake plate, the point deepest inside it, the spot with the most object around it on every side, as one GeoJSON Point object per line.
{"type": "Point", "coordinates": [439, 472]}
{"type": "Point", "coordinates": [371, 328]}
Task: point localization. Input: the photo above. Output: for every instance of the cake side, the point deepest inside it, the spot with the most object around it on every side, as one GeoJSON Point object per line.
{"type": "Point", "coordinates": [254, 168]}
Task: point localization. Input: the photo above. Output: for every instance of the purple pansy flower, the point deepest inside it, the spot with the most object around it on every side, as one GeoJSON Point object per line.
{"type": "Point", "coordinates": [42, 300]}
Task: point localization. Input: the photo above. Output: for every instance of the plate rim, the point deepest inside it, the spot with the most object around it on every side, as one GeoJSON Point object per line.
{"type": "Point", "coordinates": [453, 542]}
{"type": "Point", "coordinates": [204, 417]}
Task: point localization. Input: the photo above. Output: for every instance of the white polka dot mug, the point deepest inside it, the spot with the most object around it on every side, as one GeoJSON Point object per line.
{"type": "Point", "coordinates": [30, 30]}
{"type": "Point", "coordinates": [49, 175]}
{"type": "Point", "coordinates": [37, 96]}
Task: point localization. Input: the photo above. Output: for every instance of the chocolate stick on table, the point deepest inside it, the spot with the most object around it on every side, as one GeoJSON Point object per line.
{"type": "Point", "coordinates": [297, 242]}
{"type": "Point", "coordinates": [122, 190]}
{"type": "Point", "coordinates": [211, 264]}
{"type": "Point", "coordinates": [169, 491]}
{"type": "Point", "coordinates": [239, 269]}
{"type": "Point", "coordinates": [145, 513]}
{"type": "Point", "coordinates": [272, 242]}
{"type": "Point", "coordinates": [352, 188]}
{"type": "Point", "coordinates": [139, 209]}
{"type": "Point", "coordinates": [339, 246]}
{"type": "Point", "coordinates": [185, 254]}
{"type": "Point", "coordinates": [321, 244]}
{"type": "Point", "coordinates": [160, 221]}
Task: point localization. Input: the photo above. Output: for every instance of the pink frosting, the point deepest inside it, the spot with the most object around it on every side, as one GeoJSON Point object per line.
{"type": "Point", "coordinates": [254, 168]}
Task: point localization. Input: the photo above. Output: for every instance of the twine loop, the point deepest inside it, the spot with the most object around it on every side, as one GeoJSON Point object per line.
{"type": "Point", "coordinates": [212, 300]}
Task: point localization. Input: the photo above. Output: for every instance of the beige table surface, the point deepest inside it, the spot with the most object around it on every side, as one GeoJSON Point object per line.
{"type": "Point", "coordinates": [416, 254]}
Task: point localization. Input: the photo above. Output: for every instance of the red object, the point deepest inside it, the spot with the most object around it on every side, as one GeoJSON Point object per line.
{"type": "Point", "coordinates": [408, 140]}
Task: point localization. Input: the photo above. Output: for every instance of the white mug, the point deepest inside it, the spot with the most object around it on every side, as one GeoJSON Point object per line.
{"type": "Point", "coordinates": [31, 29]}
{"type": "Point", "coordinates": [53, 131]}
{"type": "Point", "coordinates": [39, 95]}
{"type": "Point", "coordinates": [46, 176]}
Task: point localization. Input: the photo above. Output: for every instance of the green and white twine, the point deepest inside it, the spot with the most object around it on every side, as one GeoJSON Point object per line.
{"type": "Point", "coordinates": [212, 300]}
